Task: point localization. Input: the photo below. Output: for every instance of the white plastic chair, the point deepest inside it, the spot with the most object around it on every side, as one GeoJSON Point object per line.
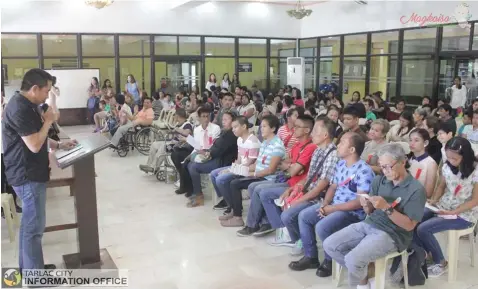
{"type": "Point", "coordinates": [453, 246]}
{"type": "Point", "coordinates": [380, 270]}
{"type": "Point", "coordinates": [11, 217]}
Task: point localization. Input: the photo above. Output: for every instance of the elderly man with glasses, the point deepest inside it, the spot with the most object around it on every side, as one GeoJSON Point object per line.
{"type": "Point", "coordinates": [394, 207]}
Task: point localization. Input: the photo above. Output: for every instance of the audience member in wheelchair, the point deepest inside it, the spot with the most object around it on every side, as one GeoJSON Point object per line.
{"type": "Point", "coordinates": [394, 208]}
{"type": "Point", "coordinates": [377, 134]}
{"type": "Point", "coordinates": [456, 199]}
{"type": "Point", "coordinates": [160, 149]}
{"type": "Point", "coordinates": [248, 150]}
{"type": "Point", "coordinates": [226, 106]}
{"type": "Point", "coordinates": [222, 152]}
{"type": "Point", "coordinates": [143, 118]}
{"type": "Point", "coordinates": [340, 207]}
{"type": "Point", "coordinates": [422, 166]}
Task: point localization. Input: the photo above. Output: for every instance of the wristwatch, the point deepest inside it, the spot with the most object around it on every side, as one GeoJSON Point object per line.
{"type": "Point", "coordinates": [389, 211]}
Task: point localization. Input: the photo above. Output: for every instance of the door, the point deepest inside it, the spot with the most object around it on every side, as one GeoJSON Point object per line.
{"type": "Point", "coordinates": [173, 75]}
{"type": "Point", "coordinates": [466, 68]}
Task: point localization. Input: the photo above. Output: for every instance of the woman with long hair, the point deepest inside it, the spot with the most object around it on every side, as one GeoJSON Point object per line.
{"type": "Point", "coordinates": [235, 83]}
{"type": "Point", "coordinates": [93, 98]}
{"type": "Point", "coordinates": [133, 89]}
{"type": "Point", "coordinates": [311, 99]}
{"type": "Point", "coordinates": [211, 81]}
{"type": "Point", "coordinates": [455, 202]}
{"type": "Point", "coordinates": [422, 166]}
{"type": "Point", "coordinates": [401, 133]}
{"type": "Point", "coordinates": [333, 114]}
{"type": "Point", "coordinates": [355, 97]}
{"type": "Point", "coordinates": [226, 82]}
{"type": "Point", "coordinates": [247, 108]}
{"type": "Point", "coordinates": [297, 96]}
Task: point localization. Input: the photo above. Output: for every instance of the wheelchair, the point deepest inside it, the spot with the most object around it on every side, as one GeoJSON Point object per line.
{"type": "Point", "coordinates": [139, 138]}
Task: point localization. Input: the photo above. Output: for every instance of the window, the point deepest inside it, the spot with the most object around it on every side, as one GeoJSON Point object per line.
{"type": "Point", "coordinates": [355, 44]}
{"type": "Point", "coordinates": [355, 69]}
{"type": "Point", "coordinates": [189, 45]}
{"type": "Point", "coordinates": [97, 45]}
{"type": "Point", "coordinates": [252, 47]}
{"type": "Point", "coordinates": [417, 78]}
{"type": "Point", "coordinates": [455, 38]}
{"type": "Point", "coordinates": [383, 75]}
{"type": "Point", "coordinates": [278, 73]}
{"type": "Point", "coordinates": [19, 45]}
{"type": "Point", "coordinates": [475, 37]}
{"type": "Point", "coordinates": [308, 47]}
{"type": "Point", "coordinates": [60, 63]}
{"type": "Point", "coordinates": [105, 65]}
{"type": "Point", "coordinates": [381, 42]}
{"type": "Point", "coordinates": [16, 68]}
{"type": "Point", "coordinates": [134, 45]}
{"type": "Point", "coordinates": [310, 75]}
{"type": "Point", "coordinates": [140, 68]}
{"type": "Point", "coordinates": [219, 46]}
{"type": "Point", "coordinates": [59, 45]}
{"type": "Point", "coordinates": [256, 74]}
{"type": "Point", "coordinates": [331, 44]}
{"type": "Point", "coordinates": [219, 66]}
{"type": "Point", "coordinates": [329, 68]}
{"type": "Point", "coordinates": [417, 41]}
{"type": "Point", "coordinates": [166, 45]}
{"type": "Point", "coordinates": [282, 48]}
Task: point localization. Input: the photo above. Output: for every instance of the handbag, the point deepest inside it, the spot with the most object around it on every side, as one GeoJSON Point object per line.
{"type": "Point", "coordinates": [305, 189]}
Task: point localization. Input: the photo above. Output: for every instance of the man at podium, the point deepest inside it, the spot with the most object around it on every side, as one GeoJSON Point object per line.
{"type": "Point", "coordinates": [25, 143]}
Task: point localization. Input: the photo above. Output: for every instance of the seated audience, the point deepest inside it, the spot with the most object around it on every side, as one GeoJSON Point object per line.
{"type": "Point", "coordinates": [419, 117]}
{"type": "Point", "coordinates": [192, 105]}
{"type": "Point", "coordinates": [248, 150]}
{"type": "Point", "coordinates": [226, 102]}
{"type": "Point", "coordinates": [247, 108]}
{"type": "Point", "coordinates": [471, 132]}
{"type": "Point", "coordinates": [401, 132]}
{"type": "Point", "coordinates": [445, 112]}
{"type": "Point", "coordinates": [377, 134]}
{"type": "Point", "coordinates": [355, 97]}
{"type": "Point", "coordinates": [467, 117]}
{"type": "Point", "coordinates": [381, 107]}
{"type": "Point", "coordinates": [333, 114]}
{"type": "Point", "coordinates": [422, 166]}
{"type": "Point", "coordinates": [100, 116]}
{"type": "Point", "coordinates": [286, 132]}
{"type": "Point", "coordinates": [340, 207]}
{"type": "Point", "coordinates": [311, 99]}
{"type": "Point", "coordinates": [157, 106]}
{"type": "Point", "coordinates": [271, 153]}
{"type": "Point", "coordinates": [439, 104]}
{"type": "Point", "coordinates": [426, 100]}
{"type": "Point", "coordinates": [456, 195]}
{"type": "Point", "coordinates": [158, 150]}
{"type": "Point", "coordinates": [143, 118]}
{"type": "Point", "coordinates": [333, 99]}
{"type": "Point", "coordinates": [389, 225]}
{"type": "Point", "coordinates": [294, 169]}
{"type": "Point", "coordinates": [368, 103]}
{"type": "Point", "coordinates": [444, 134]}
{"type": "Point", "coordinates": [297, 97]}
{"type": "Point", "coordinates": [287, 103]}
{"type": "Point", "coordinates": [432, 124]}
{"type": "Point", "coordinates": [428, 108]}
{"type": "Point", "coordinates": [351, 122]}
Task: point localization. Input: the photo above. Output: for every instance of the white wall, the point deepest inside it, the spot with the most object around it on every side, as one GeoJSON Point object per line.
{"type": "Point", "coordinates": [340, 17]}
{"type": "Point", "coordinates": [195, 17]}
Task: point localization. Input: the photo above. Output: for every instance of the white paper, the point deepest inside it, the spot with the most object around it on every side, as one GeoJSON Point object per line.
{"type": "Point", "coordinates": [190, 140]}
{"type": "Point", "coordinates": [364, 196]}
{"type": "Point", "coordinates": [432, 208]}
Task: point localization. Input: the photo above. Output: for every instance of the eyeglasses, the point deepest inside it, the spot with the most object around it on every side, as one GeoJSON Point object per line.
{"type": "Point", "coordinates": [296, 126]}
{"type": "Point", "coordinates": [387, 168]}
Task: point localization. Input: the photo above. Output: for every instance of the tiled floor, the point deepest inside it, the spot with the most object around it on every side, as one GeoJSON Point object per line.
{"type": "Point", "coordinates": [148, 230]}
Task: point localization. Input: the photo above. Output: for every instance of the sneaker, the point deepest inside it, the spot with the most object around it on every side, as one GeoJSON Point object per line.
{"type": "Point", "coordinates": [228, 211]}
{"type": "Point", "coordinates": [179, 192]}
{"type": "Point", "coordinates": [437, 270]}
{"type": "Point", "coordinates": [298, 249]}
{"type": "Point", "coordinates": [195, 201]}
{"type": "Point", "coordinates": [281, 239]}
{"type": "Point", "coordinates": [222, 205]}
{"type": "Point", "coordinates": [146, 168]}
{"type": "Point", "coordinates": [264, 229]}
{"type": "Point", "coordinates": [246, 231]}
{"type": "Point", "coordinates": [325, 269]}
{"type": "Point", "coordinates": [304, 263]}
{"type": "Point", "coordinates": [233, 222]}
{"type": "Point", "coordinates": [177, 184]}
{"type": "Point", "coordinates": [225, 217]}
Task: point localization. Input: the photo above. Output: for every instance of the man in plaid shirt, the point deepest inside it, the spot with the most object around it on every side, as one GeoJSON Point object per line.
{"type": "Point", "coordinates": [320, 174]}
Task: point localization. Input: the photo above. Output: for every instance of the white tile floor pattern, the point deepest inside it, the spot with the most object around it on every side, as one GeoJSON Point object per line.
{"type": "Point", "coordinates": [148, 230]}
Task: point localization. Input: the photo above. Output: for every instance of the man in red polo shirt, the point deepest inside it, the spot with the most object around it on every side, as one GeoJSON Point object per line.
{"type": "Point", "coordinates": [294, 169]}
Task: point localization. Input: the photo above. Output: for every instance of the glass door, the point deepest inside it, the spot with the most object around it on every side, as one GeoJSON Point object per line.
{"type": "Point", "coordinates": [173, 75]}
{"type": "Point", "coordinates": [466, 68]}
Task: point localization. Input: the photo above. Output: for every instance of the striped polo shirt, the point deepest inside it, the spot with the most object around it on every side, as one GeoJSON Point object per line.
{"type": "Point", "coordinates": [269, 149]}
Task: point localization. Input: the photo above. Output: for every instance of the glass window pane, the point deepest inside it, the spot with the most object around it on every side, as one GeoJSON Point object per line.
{"type": "Point", "coordinates": [105, 65]}
{"type": "Point", "coordinates": [15, 69]}
{"type": "Point", "coordinates": [258, 74]}
{"type": "Point", "coordinates": [218, 46]}
{"type": "Point", "coordinates": [475, 37]}
{"type": "Point", "coordinates": [60, 63]}
{"type": "Point", "coordinates": [455, 38]}
{"type": "Point", "coordinates": [97, 45]}
{"type": "Point", "coordinates": [382, 42]}
{"type": "Point", "coordinates": [383, 75]}
{"type": "Point", "coordinates": [189, 45]}
{"type": "Point", "coordinates": [59, 45]}
{"type": "Point", "coordinates": [134, 45]}
{"type": "Point", "coordinates": [278, 72]}
{"type": "Point", "coordinates": [417, 41]}
{"type": "Point", "coordinates": [19, 45]}
{"type": "Point", "coordinates": [165, 45]}
{"type": "Point", "coordinates": [219, 66]}
{"type": "Point", "coordinates": [308, 47]}
{"type": "Point", "coordinates": [140, 68]}
{"type": "Point", "coordinates": [355, 69]}
{"type": "Point", "coordinates": [310, 75]}
{"type": "Point", "coordinates": [329, 71]}
{"type": "Point", "coordinates": [417, 78]}
{"type": "Point", "coordinates": [330, 46]}
{"type": "Point", "coordinates": [355, 44]}
{"type": "Point", "coordinates": [282, 48]}
{"type": "Point", "coordinates": [252, 47]}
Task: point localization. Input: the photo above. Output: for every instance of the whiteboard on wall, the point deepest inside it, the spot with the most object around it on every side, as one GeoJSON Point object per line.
{"type": "Point", "coordinates": [73, 85]}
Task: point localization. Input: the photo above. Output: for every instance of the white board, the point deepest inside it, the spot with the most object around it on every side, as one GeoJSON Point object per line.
{"type": "Point", "coordinates": [73, 85]}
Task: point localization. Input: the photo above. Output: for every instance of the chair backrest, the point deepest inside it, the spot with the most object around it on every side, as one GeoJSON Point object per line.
{"type": "Point", "coordinates": [162, 115]}
{"type": "Point", "coordinates": [171, 123]}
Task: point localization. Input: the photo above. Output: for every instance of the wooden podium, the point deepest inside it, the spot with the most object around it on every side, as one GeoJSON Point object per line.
{"type": "Point", "coordinates": [83, 188]}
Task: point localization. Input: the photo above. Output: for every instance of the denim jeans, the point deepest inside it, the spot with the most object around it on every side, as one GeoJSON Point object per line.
{"type": "Point", "coordinates": [221, 182]}
{"type": "Point", "coordinates": [324, 227]}
{"type": "Point", "coordinates": [233, 195]}
{"type": "Point", "coordinates": [356, 246]}
{"type": "Point", "coordinates": [431, 224]}
{"type": "Point", "coordinates": [268, 189]}
{"type": "Point", "coordinates": [33, 196]}
{"type": "Point", "coordinates": [290, 219]}
{"type": "Point", "coordinates": [196, 169]}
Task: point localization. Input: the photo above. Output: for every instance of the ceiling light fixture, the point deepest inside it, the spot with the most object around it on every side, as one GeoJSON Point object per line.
{"type": "Point", "coordinates": [98, 4]}
{"type": "Point", "coordinates": [299, 12]}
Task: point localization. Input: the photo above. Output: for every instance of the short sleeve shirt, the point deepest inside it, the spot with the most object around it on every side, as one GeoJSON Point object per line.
{"type": "Point", "coordinates": [269, 149]}
{"type": "Point", "coordinates": [248, 149]}
{"type": "Point", "coordinates": [301, 153]}
{"type": "Point", "coordinates": [472, 137]}
{"type": "Point", "coordinates": [321, 169]}
{"type": "Point", "coordinates": [146, 114]}
{"type": "Point", "coordinates": [370, 152]}
{"type": "Point", "coordinates": [22, 118]}
{"type": "Point", "coordinates": [412, 204]}
{"type": "Point", "coordinates": [287, 137]}
{"type": "Point", "coordinates": [350, 180]}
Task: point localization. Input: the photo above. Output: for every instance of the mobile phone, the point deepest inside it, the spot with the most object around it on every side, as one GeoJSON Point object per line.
{"type": "Point", "coordinates": [44, 107]}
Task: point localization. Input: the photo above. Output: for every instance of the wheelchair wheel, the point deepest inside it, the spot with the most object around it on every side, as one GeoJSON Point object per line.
{"type": "Point", "coordinates": [142, 141]}
{"type": "Point", "coordinates": [161, 176]}
{"type": "Point", "coordinates": [123, 147]}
